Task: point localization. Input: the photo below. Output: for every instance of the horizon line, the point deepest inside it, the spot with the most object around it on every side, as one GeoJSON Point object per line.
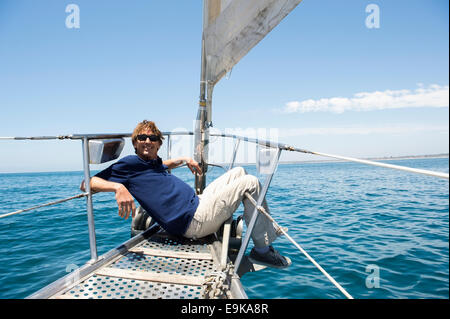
{"type": "Point", "coordinates": [385, 158]}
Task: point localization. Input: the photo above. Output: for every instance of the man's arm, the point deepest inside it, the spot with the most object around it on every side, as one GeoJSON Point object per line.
{"type": "Point", "coordinates": [193, 165]}
{"type": "Point", "coordinates": [123, 197]}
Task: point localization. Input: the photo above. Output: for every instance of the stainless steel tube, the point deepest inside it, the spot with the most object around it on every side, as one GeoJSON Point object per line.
{"type": "Point", "coordinates": [251, 225]}
{"type": "Point", "coordinates": [233, 158]}
{"type": "Point", "coordinates": [89, 207]}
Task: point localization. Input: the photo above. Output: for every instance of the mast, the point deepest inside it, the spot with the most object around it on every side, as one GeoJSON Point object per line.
{"type": "Point", "coordinates": [211, 9]}
{"type": "Point", "coordinates": [231, 28]}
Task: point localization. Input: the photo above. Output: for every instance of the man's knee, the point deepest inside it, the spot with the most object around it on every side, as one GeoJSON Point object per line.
{"type": "Point", "coordinates": [239, 171]}
{"type": "Point", "coordinates": [251, 182]}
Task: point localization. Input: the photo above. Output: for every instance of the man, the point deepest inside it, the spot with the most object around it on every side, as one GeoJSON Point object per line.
{"type": "Point", "coordinates": [174, 205]}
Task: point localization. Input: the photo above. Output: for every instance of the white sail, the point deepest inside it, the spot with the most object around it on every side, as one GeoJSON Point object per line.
{"type": "Point", "coordinates": [231, 28]}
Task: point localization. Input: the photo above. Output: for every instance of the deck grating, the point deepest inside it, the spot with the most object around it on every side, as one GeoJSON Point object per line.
{"type": "Point", "coordinates": [105, 286]}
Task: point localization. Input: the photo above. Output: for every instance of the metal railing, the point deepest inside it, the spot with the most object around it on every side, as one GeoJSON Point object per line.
{"type": "Point", "coordinates": [279, 147]}
{"type": "Point", "coordinates": [85, 138]}
{"type": "Point", "coordinates": [287, 147]}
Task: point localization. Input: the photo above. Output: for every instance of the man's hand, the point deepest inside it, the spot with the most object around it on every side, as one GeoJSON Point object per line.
{"type": "Point", "coordinates": [125, 202]}
{"type": "Point", "coordinates": [123, 197]}
{"type": "Point", "coordinates": [193, 166]}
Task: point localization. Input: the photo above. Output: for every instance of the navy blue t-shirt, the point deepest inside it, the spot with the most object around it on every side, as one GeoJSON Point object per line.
{"type": "Point", "coordinates": [169, 200]}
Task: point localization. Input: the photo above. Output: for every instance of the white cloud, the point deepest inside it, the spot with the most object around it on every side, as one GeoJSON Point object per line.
{"type": "Point", "coordinates": [432, 96]}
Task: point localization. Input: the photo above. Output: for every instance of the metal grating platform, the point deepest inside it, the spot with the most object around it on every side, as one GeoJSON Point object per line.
{"type": "Point", "coordinates": [141, 262]}
{"type": "Point", "coordinates": [172, 244]}
{"type": "Point", "coordinates": [159, 267]}
{"type": "Point", "coordinates": [105, 287]}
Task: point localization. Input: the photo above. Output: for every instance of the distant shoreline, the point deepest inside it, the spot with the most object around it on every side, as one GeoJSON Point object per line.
{"type": "Point", "coordinates": [372, 159]}
{"type": "Point", "coordinates": [443, 155]}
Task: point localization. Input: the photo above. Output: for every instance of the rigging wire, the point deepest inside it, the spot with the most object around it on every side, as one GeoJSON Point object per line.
{"type": "Point", "coordinates": [247, 139]}
{"type": "Point", "coordinates": [43, 205]}
{"type": "Point", "coordinates": [398, 167]}
{"type": "Point", "coordinates": [280, 229]}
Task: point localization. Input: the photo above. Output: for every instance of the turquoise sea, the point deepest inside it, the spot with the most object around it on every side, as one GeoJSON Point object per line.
{"type": "Point", "coordinates": [380, 233]}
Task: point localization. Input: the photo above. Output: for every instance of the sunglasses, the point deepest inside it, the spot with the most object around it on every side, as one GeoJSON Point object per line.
{"type": "Point", "coordinates": [143, 137]}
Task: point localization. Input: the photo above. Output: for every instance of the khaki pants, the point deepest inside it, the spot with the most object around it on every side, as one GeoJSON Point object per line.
{"type": "Point", "coordinates": [221, 198]}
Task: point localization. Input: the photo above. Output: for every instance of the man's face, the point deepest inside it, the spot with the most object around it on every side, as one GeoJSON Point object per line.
{"type": "Point", "coordinates": [147, 149]}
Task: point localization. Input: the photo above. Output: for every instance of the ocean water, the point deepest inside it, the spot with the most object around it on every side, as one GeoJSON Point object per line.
{"type": "Point", "coordinates": [380, 233]}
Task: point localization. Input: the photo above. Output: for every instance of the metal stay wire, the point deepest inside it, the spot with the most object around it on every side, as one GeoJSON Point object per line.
{"type": "Point", "coordinates": [398, 167]}
{"type": "Point", "coordinates": [43, 205]}
{"type": "Point", "coordinates": [259, 208]}
{"type": "Point", "coordinates": [247, 139]}
{"type": "Point", "coordinates": [286, 147]}
{"type": "Point", "coordinates": [279, 228]}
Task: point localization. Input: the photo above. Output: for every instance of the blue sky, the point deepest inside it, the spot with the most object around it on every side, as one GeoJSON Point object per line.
{"type": "Point", "coordinates": [321, 80]}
